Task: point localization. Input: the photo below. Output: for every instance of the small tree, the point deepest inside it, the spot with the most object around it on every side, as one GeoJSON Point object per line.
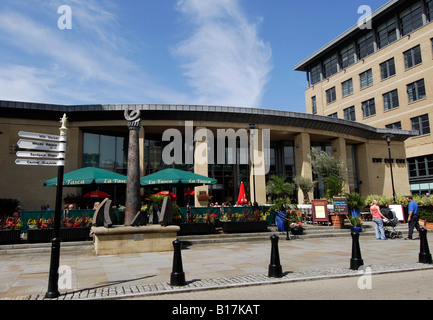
{"type": "Point", "coordinates": [328, 169]}
{"type": "Point", "coordinates": [306, 185]}
{"type": "Point", "coordinates": [280, 189]}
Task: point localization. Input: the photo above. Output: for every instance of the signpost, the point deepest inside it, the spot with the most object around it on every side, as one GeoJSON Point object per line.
{"type": "Point", "coordinates": [54, 157]}
{"type": "Point", "coordinates": [35, 154]}
{"type": "Point", "coordinates": [41, 136]}
{"type": "Point", "coordinates": [48, 163]}
{"type": "Point", "coordinates": [42, 145]}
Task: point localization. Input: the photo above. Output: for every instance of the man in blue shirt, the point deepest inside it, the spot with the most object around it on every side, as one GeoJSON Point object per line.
{"type": "Point", "coordinates": [413, 218]}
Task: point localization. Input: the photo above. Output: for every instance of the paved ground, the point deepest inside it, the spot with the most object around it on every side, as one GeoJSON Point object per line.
{"type": "Point", "coordinates": [211, 266]}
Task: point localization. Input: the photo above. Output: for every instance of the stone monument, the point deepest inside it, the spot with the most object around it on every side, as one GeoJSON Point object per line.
{"type": "Point", "coordinates": [133, 204]}
{"type": "Point", "coordinates": [135, 236]}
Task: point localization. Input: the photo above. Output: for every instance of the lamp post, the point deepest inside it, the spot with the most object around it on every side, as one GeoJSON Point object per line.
{"type": "Point", "coordinates": [388, 141]}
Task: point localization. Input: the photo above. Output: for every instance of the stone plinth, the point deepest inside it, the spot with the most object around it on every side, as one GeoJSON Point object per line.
{"type": "Point", "coordinates": [123, 239]}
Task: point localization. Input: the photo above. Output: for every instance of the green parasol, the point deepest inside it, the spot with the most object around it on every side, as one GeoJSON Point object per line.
{"type": "Point", "coordinates": [86, 176]}
{"type": "Point", "coordinates": [176, 177]}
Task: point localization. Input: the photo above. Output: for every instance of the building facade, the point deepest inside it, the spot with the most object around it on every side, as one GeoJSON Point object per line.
{"type": "Point", "coordinates": [381, 74]}
{"type": "Point", "coordinates": [98, 137]}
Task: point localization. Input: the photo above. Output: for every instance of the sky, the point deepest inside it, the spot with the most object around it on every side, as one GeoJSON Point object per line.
{"type": "Point", "coordinates": [238, 53]}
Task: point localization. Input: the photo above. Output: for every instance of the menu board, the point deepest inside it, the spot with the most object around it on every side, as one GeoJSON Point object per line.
{"type": "Point", "coordinates": [320, 211]}
{"type": "Point", "coordinates": [340, 205]}
{"type": "Point", "coordinates": [398, 209]}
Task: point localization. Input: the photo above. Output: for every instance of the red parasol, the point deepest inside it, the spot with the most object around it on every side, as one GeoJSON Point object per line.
{"type": "Point", "coordinates": [190, 192]}
{"type": "Point", "coordinates": [242, 198]}
{"type": "Point", "coordinates": [166, 193]}
{"type": "Point", "coordinates": [96, 194]}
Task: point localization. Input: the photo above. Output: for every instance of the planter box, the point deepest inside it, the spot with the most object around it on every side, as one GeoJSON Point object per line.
{"type": "Point", "coordinates": [338, 220]}
{"type": "Point", "coordinates": [245, 227]}
{"type": "Point", "coordinates": [296, 231]}
{"type": "Point", "coordinates": [429, 225]}
{"type": "Point", "coordinates": [39, 235]}
{"type": "Point", "coordinates": [75, 234]}
{"type": "Point", "coordinates": [66, 234]}
{"type": "Point", "coordinates": [9, 236]}
{"type": "Point", "coordinates": [196, 228]}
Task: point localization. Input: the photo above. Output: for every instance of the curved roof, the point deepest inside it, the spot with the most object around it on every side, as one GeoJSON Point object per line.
{"type": "Point", "coordinates": [199, 113]}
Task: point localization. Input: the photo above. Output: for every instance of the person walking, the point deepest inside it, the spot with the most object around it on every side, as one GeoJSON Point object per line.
{"type": "Point", "coordinates": [378, 221]}
{"type": "Point", "coordinates": [413, 218]}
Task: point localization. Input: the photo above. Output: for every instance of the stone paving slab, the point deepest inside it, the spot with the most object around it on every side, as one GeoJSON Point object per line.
{"type": "Point", "coordinates": [206, 266]}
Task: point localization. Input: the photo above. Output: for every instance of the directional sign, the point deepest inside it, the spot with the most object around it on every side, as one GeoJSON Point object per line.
{"type": "Point", "coordinates": [32, 162]}
{"type": "Point", "coordinates": [36, 154]}
{"type": "Point", "coordinates": [42, 145]}
{"type": "Point", "coordinates": [41, 136]}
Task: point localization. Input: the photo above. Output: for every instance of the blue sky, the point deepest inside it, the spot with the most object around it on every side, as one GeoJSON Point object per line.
{"type": "Point", "coordinates": [213, 52]}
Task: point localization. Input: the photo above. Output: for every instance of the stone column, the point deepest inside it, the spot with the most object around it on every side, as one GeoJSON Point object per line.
{"type": "Point", "coordinates": [338, 146]}
{"type": "Point", "coordinates": [259, 166]}
{"type": "Point", "coordinates": [303, 165]}
{"type": "Point", "coordinates": [133, 203]}
{"type": "Point", "coordinates": [201, 162]}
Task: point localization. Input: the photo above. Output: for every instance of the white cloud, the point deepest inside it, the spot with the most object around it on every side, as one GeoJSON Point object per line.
{"type": "Point", "coordinates": [226, 61]}
{"type": "Point", "coordinates": [88, 64]}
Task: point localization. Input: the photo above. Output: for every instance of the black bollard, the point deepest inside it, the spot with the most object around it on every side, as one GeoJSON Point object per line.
{"type": "Point", "coordinates": [275, 269]}
{"type": "Point", "coordinates": [424, 255]}
{"type": "Point", "coordinates": [177, 276]}
{"type": "Point", "coordinates": [356, 260]}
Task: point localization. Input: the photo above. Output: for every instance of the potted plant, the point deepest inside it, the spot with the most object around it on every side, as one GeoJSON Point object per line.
{"type": "Point", "coordinates": [355, 203]}
{"type": "Point", "coordinates": [355, 223]}
{"type": "Point", "coordinates": [429, 220]}
{"type": "Point", "coordinates": [296, 228]}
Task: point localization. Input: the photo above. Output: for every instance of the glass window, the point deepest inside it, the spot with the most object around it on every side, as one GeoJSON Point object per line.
{"type": "Point", "coordinates": [316, 74]}
{"type": "Point", "coordinates": [105, 152]}
{"type": "Point", "coordinates": [411, 19]}
{"type": "Point", "coordinates": [366, 45]}
{"type": "Point", "coordinates": [330, 66]}
{"type": "Point", "coordinates": [390, 100]}
{"type": "Point", "coordinates": [331, 95]}
{"type": "Point", "coordinates": [416, 90]}
{"type": "Point", "coordinates": [347, 56]}
{"type": "Point", "coordinates": [387, 33]}
{"type": "Point", "coordinates": [349, 113]}
{"type": "Point", "coordinates": [333, 115]}
{"type": "Point", "coordinates": [366, 79]}
{"type": "Point", "coordinates": [387, 68]}
{"type": "Point", "coordinates": [420, 166]}
{"type": "Point", "coordinates": [421, 124]}
{"type": "Point", "coordinates": [430, 10]}
{"type": "Point", "coordinates": [91, 150]}
{"type": "Point", "coordinates": [347, 87]}
{"type": "Point", "coordinates": [368, 108]}
{"type": "Point", "coordinates": [412, 57]}
{"type": "Point", "coordinates": [395, 125]}
{"type": "Point", "coordinates": [314, 104]}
